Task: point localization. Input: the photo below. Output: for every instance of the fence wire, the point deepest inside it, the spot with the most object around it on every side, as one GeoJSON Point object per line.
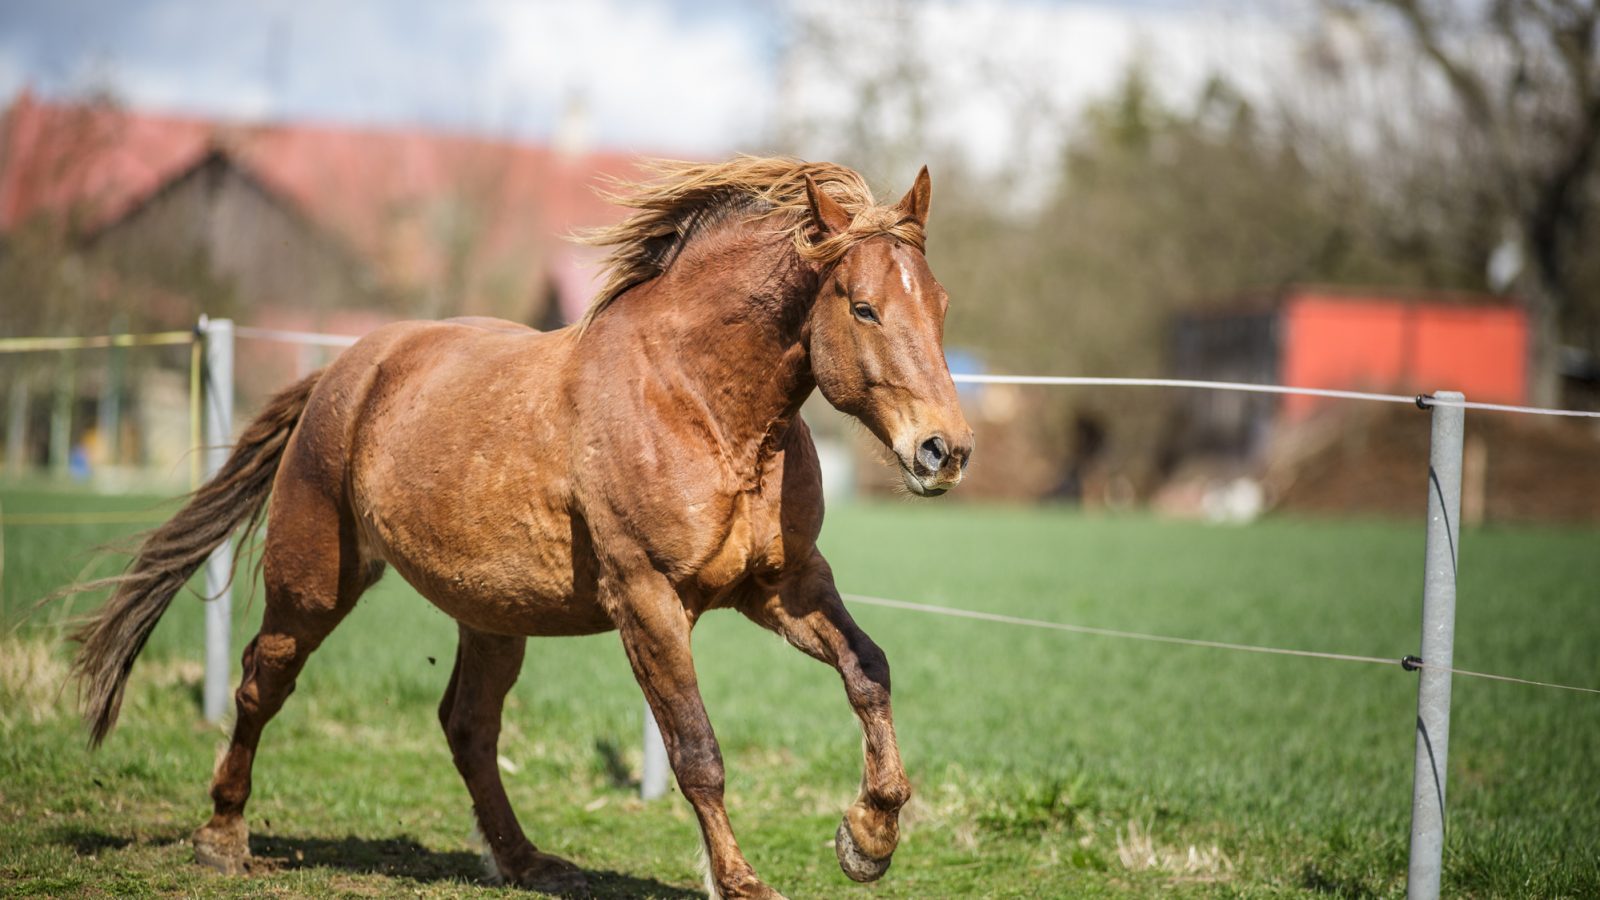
{"type": "Point", "coordinates": [29, 344]}
{"type": "Point", "coordinates": [84, 518]}
{"type": "Point", "coordinates": [1422, 400]}
{"type": "Point", "coordinates": [36, 344]}
{"type": "Point", "coordinates": [294, 337]}
{"type": "Point", "coordinates": [1405, 662]}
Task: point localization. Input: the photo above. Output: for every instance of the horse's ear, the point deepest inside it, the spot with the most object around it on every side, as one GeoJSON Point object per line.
{"type": "Point", "coordinates": [829, 217]}
{"type": "Point", "coordinates": [915, 203]}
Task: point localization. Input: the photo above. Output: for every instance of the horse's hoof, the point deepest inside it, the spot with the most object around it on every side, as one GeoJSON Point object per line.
{"type": "Point", "coordinates": [855, 862]}
{"type": "Point", "coordinates": [553, 875]}
{"type": "Point", "coordinates": [224, 847]}
{"type": "Point", "coordinates": [754, 891]}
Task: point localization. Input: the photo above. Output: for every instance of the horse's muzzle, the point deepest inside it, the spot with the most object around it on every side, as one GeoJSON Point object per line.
{"type": "Point", "coordinates": [937, 465]}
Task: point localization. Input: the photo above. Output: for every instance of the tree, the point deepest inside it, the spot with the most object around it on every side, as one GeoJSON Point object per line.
{"type": "Point", "coordinates": [1525, 78]}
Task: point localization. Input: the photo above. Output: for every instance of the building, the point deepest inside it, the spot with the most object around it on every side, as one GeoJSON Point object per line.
{"type": "Point", "coordinates": [315, 217]}
{"type": "Point", "coordinates": [1316, 456]}
{"type": "Point", "coordinates": [121, 219]}
{"type": "Point", "coordinates": [1381, 340]}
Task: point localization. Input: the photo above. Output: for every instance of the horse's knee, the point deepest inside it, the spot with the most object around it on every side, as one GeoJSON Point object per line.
{"type": "Point", "coordinates": [460, 734]}
{"type": "Point", "coordinates": [697, 765]}
{"type": "Point", "coordinates": [871, 701]}
{"type": "Point", "coordinates": [701, 782]}
{"type": "Point", "coordinates": [866, 671]}
{"type": "Point", "coordinates": [874, 663]}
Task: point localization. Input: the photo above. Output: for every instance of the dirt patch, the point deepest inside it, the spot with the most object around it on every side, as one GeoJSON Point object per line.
{"type": "Point", "coordinates": [1374, 460]}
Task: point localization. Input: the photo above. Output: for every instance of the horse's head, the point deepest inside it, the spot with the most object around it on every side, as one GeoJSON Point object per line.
{"type": "Point", "coordinates": [876, 340]}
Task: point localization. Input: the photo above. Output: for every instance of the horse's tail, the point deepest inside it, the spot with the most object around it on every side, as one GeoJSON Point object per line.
{"type": "Point", "coordinates": [172, 553]}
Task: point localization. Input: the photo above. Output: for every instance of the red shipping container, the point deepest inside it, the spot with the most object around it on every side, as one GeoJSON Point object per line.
{"type": "Point", "coordinates": [1402, 345]}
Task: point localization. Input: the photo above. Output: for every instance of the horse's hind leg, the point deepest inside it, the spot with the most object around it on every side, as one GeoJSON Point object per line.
{"type": "Point", "coordinates": [486, 667]}
{"type": "Point", "coordinates": [313, 576]}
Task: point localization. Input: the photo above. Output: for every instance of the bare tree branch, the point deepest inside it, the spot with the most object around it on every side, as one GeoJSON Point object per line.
{"type": "Point", "coordinates": [1466, 83]}
{"type": "Point", "coordinates": [1541, 118]}
{"type": "Point", "coordinates": [1575, 41]}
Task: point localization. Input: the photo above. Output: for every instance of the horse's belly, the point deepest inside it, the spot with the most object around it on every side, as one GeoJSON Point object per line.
{"type": "Point", "coordinates": [530, 613]}
{"type": "Point", "coordinates": [516, 576]}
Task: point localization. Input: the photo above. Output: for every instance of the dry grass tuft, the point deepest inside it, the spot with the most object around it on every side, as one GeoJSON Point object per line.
{"type": "Point", "coordinates": [31, 678]}
{"type": "Point", "coordinates": [1139, 852]}
{"type": "Point", "coordinates": [180, 672]}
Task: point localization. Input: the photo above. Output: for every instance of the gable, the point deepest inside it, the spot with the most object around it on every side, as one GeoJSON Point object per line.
{"type": "Point", "coordinates": [424, 213]}
{"type": "Point", "coordinates": [217, 215]}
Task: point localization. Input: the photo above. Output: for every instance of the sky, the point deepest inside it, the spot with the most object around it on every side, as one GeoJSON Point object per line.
{"type": "Point", "coordinates": [670, 76]}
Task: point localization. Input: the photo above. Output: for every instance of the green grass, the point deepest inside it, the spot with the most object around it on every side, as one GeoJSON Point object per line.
{"type": "Point", "coordinates": [1045, 764]}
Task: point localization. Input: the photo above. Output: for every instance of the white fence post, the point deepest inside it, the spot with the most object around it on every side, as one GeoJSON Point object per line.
{"type": "Point", "coordinates": [1438, 650]}
{"type": "Point", "coordinates": [217, 395]}
{"type": "Point", "coordinates": [653, 777]}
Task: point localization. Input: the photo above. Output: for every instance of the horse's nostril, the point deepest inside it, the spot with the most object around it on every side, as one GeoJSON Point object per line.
{"type": "Point", "coordinates": [931, 455]}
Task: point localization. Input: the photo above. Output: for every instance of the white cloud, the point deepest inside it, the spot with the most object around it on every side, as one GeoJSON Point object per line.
{"type": "Point", "coordinates": [670, 77]}
{"type": "Point", "coordinates": [1005, 79]}
{"type": "Point", "coordinates": [653, 75]}
{"type": "Point", "coordinates": [646, 77]}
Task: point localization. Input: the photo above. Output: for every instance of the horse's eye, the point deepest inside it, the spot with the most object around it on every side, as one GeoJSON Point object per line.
{"type": "Point", "coordinates": [865, 312]}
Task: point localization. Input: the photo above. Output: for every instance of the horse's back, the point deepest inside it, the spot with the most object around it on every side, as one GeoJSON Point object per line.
{"type": "Point", "coordinates": [489, 323]}
{"type": "Point", "coordinates": [423, 376]}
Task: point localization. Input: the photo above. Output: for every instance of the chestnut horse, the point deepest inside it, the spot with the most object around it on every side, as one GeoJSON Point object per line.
{"type": "Point", "coordinates": [630, 472]}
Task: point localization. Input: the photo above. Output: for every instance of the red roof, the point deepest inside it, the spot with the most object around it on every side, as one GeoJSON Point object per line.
{"type": "Point", "coordinates": [399, 197]}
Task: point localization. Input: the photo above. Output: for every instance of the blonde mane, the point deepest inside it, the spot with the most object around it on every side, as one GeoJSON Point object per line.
{"type": "Point", "coordinates": [681, 198]}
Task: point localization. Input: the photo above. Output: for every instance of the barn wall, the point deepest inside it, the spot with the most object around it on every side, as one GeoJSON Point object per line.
{"type": "Point", "coordinates": [214, 235]}
{"type": "Point", "coordinates": [1402, 346]}
{"type": "Point", "coordinates": [214, 241]}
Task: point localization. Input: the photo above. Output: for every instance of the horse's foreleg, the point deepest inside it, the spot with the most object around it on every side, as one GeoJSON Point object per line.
{"type": "Point", "coordinates": [655, 633]}
{"type": "Point", "coordinates": [809, 614]}
{"type": "Point", "coordinates": [486, 667]}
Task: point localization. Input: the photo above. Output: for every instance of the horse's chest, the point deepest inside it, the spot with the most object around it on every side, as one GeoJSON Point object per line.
{"type": "Point", "coordinates": [751, 543]}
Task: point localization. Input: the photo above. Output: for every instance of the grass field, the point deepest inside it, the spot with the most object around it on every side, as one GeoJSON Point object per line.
{"type": "Point", "coordinates": [1045, 764]}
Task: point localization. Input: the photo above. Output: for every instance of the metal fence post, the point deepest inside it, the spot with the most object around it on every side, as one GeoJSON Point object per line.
{"type": "Point", "coordinates": [1438, 650]}
{"type": "Point", "coordinates": [653, 778]}
{"type": "Point", "coordinates": [217, 394]}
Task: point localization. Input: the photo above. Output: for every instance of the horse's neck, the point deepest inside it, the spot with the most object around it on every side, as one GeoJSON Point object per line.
{"type": "Point", "coordinates": [736, 316]}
